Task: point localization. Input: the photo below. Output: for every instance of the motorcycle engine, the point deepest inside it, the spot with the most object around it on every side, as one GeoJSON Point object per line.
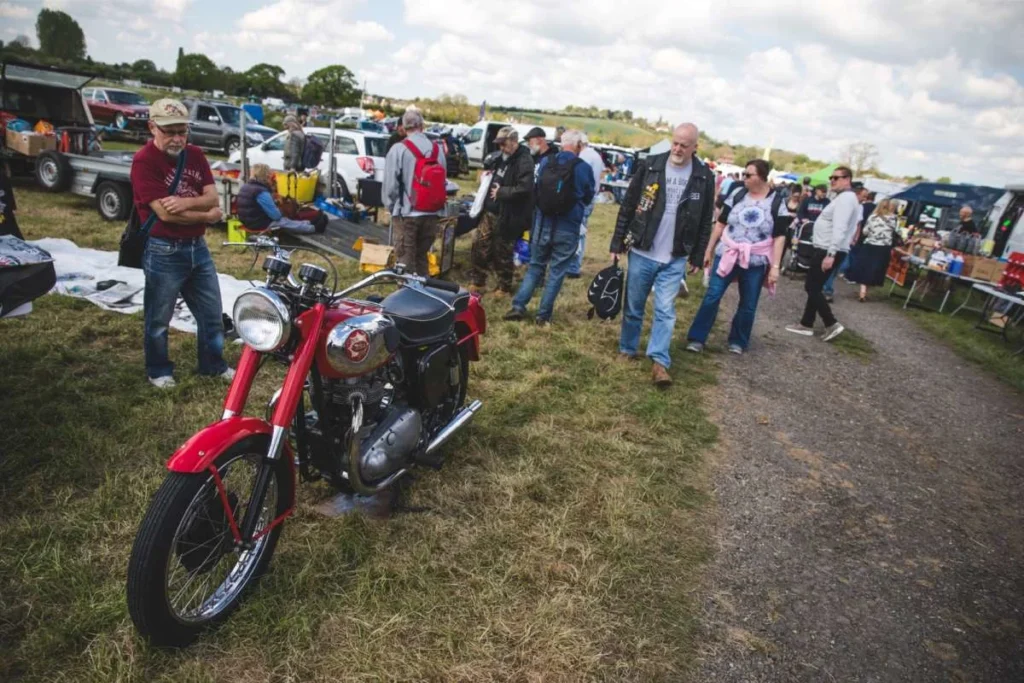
{"type": "Point", "coordinates": [391, 428]}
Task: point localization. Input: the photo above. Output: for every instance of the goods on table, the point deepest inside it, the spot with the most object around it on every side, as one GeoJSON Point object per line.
{"type": "Point", "coordinates": [1013, 276]}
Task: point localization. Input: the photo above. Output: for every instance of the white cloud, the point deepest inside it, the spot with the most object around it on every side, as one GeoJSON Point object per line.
{"type": "Point", "coordinates": [935, 84]}
{"type": "Point", "coordinates": [11, 11]}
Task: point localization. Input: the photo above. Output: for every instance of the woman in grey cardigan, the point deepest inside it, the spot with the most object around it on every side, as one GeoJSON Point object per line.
{"type": "Point", "coordinates": [293, 144]}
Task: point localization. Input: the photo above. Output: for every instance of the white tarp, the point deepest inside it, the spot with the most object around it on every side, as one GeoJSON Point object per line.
{"type": "Point", "coordinates": [79, 270]}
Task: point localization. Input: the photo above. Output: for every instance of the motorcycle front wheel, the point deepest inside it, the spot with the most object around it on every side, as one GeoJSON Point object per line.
{"type": "Point", "coordinates": [186, 574]}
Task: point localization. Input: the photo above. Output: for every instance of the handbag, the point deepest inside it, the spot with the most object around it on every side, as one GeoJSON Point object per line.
{"type": "Point", "coordinates": [133, 239]}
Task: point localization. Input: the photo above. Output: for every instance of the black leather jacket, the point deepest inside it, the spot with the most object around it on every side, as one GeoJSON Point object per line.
{"type": "Point", "coordinates": [640, 213]}
{"type": "Point", "coordinates": [515, 196]}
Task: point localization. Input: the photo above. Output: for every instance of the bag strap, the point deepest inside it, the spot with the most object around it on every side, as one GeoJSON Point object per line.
{"type": "Point", "coordinates": [411, 146]}
{"type": "Point", "coordinates": [148, 225]}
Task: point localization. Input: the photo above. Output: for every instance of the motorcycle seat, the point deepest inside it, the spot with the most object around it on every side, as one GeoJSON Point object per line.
{"type": "Point", "coordinates": [422, 319]}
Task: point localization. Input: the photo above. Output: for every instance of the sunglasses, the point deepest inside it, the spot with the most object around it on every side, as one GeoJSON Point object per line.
{"type": "Point", "coordinates": [174, 132]}
{"type": "Point", "coordinates": [751, 175]}
{"type": "Point", "coordinates": [834, 178]}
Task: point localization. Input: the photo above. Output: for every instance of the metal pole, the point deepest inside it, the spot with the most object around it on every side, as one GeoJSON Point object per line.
{"type": "Point", "coordinates": [244, 149]}
{"type": "Point", "coordinates": [331, 165]}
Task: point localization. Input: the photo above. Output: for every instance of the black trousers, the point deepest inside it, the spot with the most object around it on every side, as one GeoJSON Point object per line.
{"type": "Point", "coordinates": [815, 283]}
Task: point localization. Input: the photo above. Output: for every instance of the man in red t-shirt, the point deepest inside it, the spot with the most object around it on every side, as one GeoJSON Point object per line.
{"type": "Point", "coordinates": [177, 261]}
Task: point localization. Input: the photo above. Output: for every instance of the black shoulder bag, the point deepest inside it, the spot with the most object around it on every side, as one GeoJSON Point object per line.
{"type": "Point", "coordinates": [133, 239]}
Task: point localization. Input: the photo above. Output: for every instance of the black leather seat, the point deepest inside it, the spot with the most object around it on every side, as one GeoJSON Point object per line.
{"type": "Point", "coordinates": [422, 319]}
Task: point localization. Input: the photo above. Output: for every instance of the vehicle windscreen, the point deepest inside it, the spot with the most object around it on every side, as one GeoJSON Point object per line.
{"type": "Point", "coordinates": [376, 147]}
{"type": "Point", "coordinates": [230, 115]}
{"type": "Point", "coordinates": [126, 98]}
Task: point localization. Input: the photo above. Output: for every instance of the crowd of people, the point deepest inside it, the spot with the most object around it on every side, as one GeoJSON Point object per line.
{"type": "Point", "coordinates": [676, 217]}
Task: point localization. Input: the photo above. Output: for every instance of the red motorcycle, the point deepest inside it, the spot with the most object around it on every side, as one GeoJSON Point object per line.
{"type": "Point", "coordinates": [374, 387]}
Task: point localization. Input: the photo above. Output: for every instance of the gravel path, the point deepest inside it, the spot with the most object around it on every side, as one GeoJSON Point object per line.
{"type": "Point", "coordinates": [870, 509]}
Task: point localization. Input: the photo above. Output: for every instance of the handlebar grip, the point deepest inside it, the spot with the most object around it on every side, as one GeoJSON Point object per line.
{"type": "Point", "coordinates": [441, 284]}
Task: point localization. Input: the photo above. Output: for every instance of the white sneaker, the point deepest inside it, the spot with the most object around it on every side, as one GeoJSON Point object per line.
{"type": "Point", "coordinates": [736, 348]}
{"type": "Point", "coordinates": [684, 290]}
{"type": "Point", "coordinates": [228, 375]}
{"type": "Point", "coordinates": [801, 330]}
{"type": "Point", "coordinates": [695, 347]}
{"type": "Point", "coordinates": [833, 332]}
{"type": "Point", "coordinates": [165, 382]}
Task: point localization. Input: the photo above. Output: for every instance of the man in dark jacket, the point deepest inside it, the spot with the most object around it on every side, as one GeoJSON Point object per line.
{"type": "Point", "coordinates": [556, 236]}
{"type": "Point", "coordinates": [507, 213]}
{"type": "Point", "coordinates": [664, 219]}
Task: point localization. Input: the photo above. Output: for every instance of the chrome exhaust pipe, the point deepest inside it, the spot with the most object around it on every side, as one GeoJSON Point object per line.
{"type": "Point", "coordinates": [457, 423]}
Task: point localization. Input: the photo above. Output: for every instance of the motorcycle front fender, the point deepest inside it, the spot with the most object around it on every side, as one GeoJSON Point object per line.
{"type": "Point", "coordinates": [196, 454]}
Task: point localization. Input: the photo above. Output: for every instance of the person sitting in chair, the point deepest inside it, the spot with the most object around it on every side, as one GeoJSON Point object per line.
{"type": "Point", "coordinates": [258, 212]}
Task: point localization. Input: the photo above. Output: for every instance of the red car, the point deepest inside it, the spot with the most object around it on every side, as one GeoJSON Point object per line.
{"type": "Point", "coordinates": [122, 109]}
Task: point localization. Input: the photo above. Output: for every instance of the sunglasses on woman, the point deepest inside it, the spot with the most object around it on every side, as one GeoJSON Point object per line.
{"type": "Point", "coordinates": [834, 178]}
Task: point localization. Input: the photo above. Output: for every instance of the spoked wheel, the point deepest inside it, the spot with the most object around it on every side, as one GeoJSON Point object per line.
{"type": "Point", "coordinates": [186, 573]}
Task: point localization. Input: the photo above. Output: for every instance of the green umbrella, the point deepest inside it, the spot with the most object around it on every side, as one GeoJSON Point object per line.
{"type": "Point", "coordinates": [820, 177]}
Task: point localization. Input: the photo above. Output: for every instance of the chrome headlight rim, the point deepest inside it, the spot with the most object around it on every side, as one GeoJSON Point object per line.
{"type": "Point", "coordinates": [279, 307]}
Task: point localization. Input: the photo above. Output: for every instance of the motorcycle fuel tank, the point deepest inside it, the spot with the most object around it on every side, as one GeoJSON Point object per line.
{"type": "Point", "coordinates": [359, 345]}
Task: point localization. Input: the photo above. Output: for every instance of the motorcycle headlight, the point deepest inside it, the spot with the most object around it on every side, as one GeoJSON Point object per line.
{"type": "Point", "coordinates": [262, 320]}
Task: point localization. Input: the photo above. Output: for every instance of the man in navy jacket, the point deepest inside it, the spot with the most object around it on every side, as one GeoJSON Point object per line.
{"type": "Point", "coordinates": [556, 237]}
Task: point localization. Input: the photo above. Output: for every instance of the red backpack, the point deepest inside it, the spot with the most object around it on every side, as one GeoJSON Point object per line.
{"type": "Point", "coordinates": [429, 191]}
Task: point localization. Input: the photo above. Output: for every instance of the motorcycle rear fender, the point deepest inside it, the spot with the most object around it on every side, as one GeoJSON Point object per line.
{"type": "Point", "coordinates": [196, 454]}
{"type": "Point", "coordinates": [470, 324]}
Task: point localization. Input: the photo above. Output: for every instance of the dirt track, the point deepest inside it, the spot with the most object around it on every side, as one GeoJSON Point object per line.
{"type": "Point", "coordinates": [871, 510]}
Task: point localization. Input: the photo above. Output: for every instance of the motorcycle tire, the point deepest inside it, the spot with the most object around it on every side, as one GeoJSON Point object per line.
{"type": "Point", "coordinates": [158, 548]}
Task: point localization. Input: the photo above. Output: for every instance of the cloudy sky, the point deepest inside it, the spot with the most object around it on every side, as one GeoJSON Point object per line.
{"type": "Point", "coordinates": [936, 85]}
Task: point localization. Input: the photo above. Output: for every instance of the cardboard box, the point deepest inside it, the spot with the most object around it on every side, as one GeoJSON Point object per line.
{"type": "Point", "coordinates": [376, 257]}
{"type": "Point", "coordinates": [987, 269]}
{"type": "Point", "coordinates": [30, 144]}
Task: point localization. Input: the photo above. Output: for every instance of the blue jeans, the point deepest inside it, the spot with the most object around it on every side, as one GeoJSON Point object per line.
{"type": "Point", "coordinates": [750, 282]}
{"type": "Point", "coordinates": [185, 267]}
{"type": "Point", "coordinates": [577, 265]}
{"type": "Point", "coordinates": [830, 284]}
{"type": "Point", "coordinates": [293, 226]}
{"type": "Point", "coordinates": [645, 274]}
{"type": "Point", "coordinates": [550, 246]}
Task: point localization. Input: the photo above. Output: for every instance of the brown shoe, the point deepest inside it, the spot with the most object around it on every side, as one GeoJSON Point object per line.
{"type": "Point", "coordinates": [660, 376]}
{"type": "Point", "coordinates": [624, 357]}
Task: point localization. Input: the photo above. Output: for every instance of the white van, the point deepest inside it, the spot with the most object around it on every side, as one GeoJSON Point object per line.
{"type": "Point", "coordinates": [479, 139]}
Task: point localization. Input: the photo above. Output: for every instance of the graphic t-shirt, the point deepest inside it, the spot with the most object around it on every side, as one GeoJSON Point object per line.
{"type": "Point", "coordinates": [750, 220]}
{"type": "Point", "coordinates": [676, 178]}
{"type": "Point", "coordinates": [152, 173]}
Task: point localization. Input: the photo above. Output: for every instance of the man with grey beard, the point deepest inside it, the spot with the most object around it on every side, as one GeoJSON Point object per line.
{"type": "Point", "coordinates": [176, 259]}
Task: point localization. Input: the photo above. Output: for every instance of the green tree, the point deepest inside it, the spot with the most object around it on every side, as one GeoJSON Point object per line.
{"type": "Point", "coordinates": [59, 35]}
{"type": "Point", "coordinates": [264, 80]}
{"type": "Point", "coordinates": [333, 86]}
{"type": "Point", "coordinates": [143, 67]}
{"type": "Point", "coordinates": [197, 72]}
{"type": "Point", "coordinates": [944, 180]}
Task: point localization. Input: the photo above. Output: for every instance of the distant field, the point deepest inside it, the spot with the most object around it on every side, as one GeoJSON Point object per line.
{"type": "Point", "coordinates": [599, 130]}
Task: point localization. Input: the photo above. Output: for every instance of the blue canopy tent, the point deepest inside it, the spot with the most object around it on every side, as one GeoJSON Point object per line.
{"type": "Point", "coordinates": [944, 197]}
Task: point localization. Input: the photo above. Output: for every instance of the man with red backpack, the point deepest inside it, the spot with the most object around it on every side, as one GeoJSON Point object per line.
{"type": "Point", "coordinates": [415, 183]}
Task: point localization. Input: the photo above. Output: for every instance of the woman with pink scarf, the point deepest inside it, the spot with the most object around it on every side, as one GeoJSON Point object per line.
{"type": "Point", "coordinates": [746, 245]}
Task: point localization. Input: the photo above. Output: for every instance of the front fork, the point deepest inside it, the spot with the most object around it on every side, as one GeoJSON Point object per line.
{"type": "Point", "coordinates": [308, 324]}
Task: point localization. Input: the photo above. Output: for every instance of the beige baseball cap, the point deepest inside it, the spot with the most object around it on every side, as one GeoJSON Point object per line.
{"type": "Point", "coordinates": [168, 112]}
{"type": "Point", "coordinates": [506, 133]}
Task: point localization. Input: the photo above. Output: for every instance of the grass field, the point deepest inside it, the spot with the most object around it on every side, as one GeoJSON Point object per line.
{"type": "Point", "coordinates": [562, 541]}
{"type": "Point", "coordinates": [600, 130]}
